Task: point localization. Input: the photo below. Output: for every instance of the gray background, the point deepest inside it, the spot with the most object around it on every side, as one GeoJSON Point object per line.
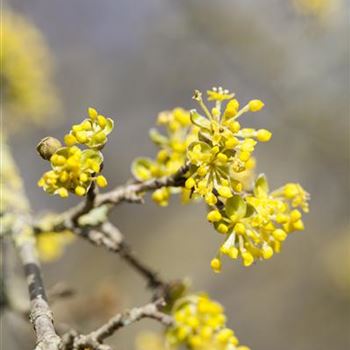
{"type": "Point", "coordinates": [131, 59]}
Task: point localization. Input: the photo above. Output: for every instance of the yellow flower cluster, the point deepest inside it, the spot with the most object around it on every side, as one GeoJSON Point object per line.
{"type": "Point", "coordinates": [256, 225]}
{"type": "Point", "coordinates": [172, 154]}
{"type": "Point", "coordinates": [91, 132]}
{"type": "Point", "coordinates": [219, 152]}
{"type": "Point", "coordinates": [74, 169]}
{"type": "Point", "coordinates": [26, 88]}
{"type": "Point", "coordinates": [200, 324]}
{"type": "Point", "coordinates": [50, 245]}
{"type": "Point", "coordinates": [223, 149]}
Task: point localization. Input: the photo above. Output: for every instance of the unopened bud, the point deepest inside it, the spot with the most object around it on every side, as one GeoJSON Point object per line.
{"type": "Point", "coordinates": [47, 147]}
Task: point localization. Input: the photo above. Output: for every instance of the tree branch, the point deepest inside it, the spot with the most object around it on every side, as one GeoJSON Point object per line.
{"type": "Point", "coordinates": [108, 236]}
{"type": "Point", "coordinates": [130, 192]}
{"type": "Point", "coordinates": [40, 312]}
{"type": "Point", "coordinates": [95, 339]}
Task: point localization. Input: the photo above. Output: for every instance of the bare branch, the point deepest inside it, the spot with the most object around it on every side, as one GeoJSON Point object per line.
{"type": "Point", "coordinates": [40, 312]}
{"type": "Point", "coordinates": [109, 236]}
{"type": "Point", "coordinates": [128, 192]}
{"type": "Point", "coordinates": [150, 310]}
{"type": "Point", "coordinates": [131, 192]}
{"type": "Point", "coordinates": [95, 339]}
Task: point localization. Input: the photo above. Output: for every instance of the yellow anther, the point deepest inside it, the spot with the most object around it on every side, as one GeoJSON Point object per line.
{"type": "Point", "coordinates": [290, 190]}
{"type": "Point", "coordinates": [62, 192]}
{"type": "Point", "coordinates": [244, 156]}
{"type": "Point", "coordinates": [222, 157]}
{"type": "Point", "coordinates": [224, 335]}
{"type": "Point", "coordinates": [263, 135]}
{"type": "Point", "coordinates": [214, 216]}
{"type": "Point", "coordinates": [77, 127]}
{"type": "Point", "coordinates": [202, 171]}
{"type": "Point", "coordinates": [215, 112]}
{"type": "Point", "coordinates": [279, 234]}
{"type": "Point", "coordinates": [215, 150]}
{"type": "Point", "coordinates": [222, 228]}
{"type": "Point", "coordinates": [298, 225]}
{"type": "Point", "coordinates": [225, 191]}
{"type": "Point", "coordinates": [64, 177]}
{"type": "Point", "coordinates": [92, 113]}
{"type": "Point", "coordinates": [234, 126]}
{"type": "Point", "coordinates": [101, 121]}
{"type": "Point", "coordinates": [255, 105]}
{"type": "Point", "coordinates": [190, 183]}
{"type": "Point", "coordinates": [210, 198]}
{"type": "Point", "coordinates": [81, 136]}
{"type": "Point", "coordinates": [233, 253]}
{"type": "Point", "coordinates": [248, 258]}
{"type": "Point", "coordinates": [80, 191]}
{"type": "Point", "coordinates": [231, 142]}
{"type": "Point", "coordinates": [239, 228]}
{"type": "Point", "coordinates": [94, 166]}
{"type": "Point", "coordinates": [267, 252]}
{"type": "Point", "coordinates": [250, 163]}
{"type": "Point", "coordinates": [216, 265]}
{"type": "Point", "coordinates": [162, 155]}
{"type": "Point", "coordinates": [237, 186]}
{"type": "Point", "coordinates": [193, 322]}
{"type": "Point", "coordinates": [101, 181]}
{"type": "Point", "coordinates": [100, 137]}
{"type": "Point", "coordinates": [86, 125]}
{"type": "Point", "coordinates": [231, 108]}
{"type": "Point", "coordinates": [57, 160]}
{"type": "Point", "coordinates": [295, 215]}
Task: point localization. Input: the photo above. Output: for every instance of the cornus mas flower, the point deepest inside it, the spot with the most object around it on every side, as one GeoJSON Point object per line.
{"type": "Point", "coordinates": [200, 324]}
{"type": "Point", "coordinates": [172, 154]}
{"type": "Point", "coordinates": [27, 92]}
{"type": "Point", "coordinates": [218, 153]}
{"type": "Point", "coordinates": [256, 225]}
{"type": "Point", "coordinates": [91, 132]}
{"type": "Point", "coordinates": [223, 149]}
{"type": "Point", "coordinates": [74, 169]}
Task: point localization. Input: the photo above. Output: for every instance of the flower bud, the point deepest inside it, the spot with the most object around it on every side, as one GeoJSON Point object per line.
{"type": "Point", "coordinates": [48, 146]}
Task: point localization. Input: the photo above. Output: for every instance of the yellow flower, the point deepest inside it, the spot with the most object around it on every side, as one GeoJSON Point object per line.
{"type": "Point", "coordinates": [219, 155]}
{"type": "Point", "coordinates": [200, 324]}
{"type": "Point", "coordinates": [51, 244]}
{"type": "Point", "coordinates": [74, 169]}
{"type": "Point", "coordinates": [91, 132]}
{"type": "Point", "coordinates": [27, 91]}
{"type": "Point", "coordinates": [256, 225]}
{"type": "Point", "coordinates": [222, 150]}
{"type": "Point", "coordinates": [172, 154]}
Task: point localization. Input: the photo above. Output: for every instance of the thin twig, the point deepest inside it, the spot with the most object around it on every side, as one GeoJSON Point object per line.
{"type": "Point", "coordinates": [95, 339]}
{"type": "Point", "coordinates": [131, 192]}
{"type": "Point", "coordinates": [108, 236]}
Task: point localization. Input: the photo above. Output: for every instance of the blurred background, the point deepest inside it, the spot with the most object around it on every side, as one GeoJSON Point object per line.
{"type": "Point", "coordinates": [132, 59]}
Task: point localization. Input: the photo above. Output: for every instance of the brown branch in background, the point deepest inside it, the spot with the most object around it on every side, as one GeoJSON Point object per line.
{"type": "Point", "coordinates": [108, 236]}
{"type": "Point", "coordinates": [131, 192]}
{"type": "Point", "coordinates": [40, 312]}
{"type": "Point", "coordinates": [95, 339]}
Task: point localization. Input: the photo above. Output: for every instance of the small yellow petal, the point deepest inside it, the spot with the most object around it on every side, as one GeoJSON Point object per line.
{"type": "Point", "coordinates": [101, 181]}
{"type": "Point", "coordinates": [255, 105]}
